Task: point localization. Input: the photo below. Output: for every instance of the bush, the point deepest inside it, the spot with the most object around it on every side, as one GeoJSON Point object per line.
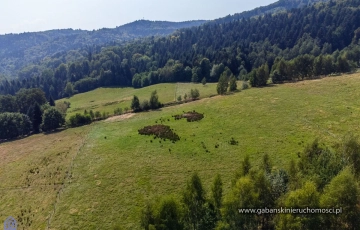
{"type": "Point", "coordinates": [245, 85]}
{"type": "Point", "coordinates": [145, 105]}
{"type": "Point", "coordinates": [194, 93]}
{"type": "Point", "coordinates": [97, 115]}
{"type": "Point", "coordinates": [118, 111]}
{"type": "Point", "coordinates": [79, 120]}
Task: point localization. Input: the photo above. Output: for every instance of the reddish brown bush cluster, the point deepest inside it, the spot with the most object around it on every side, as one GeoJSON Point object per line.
{"type": "Point", "coordinates": [190, 116]}
{"type": "Point", "coordinates": [160, 131]}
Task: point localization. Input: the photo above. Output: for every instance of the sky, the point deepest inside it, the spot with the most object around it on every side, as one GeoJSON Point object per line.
{"type": "Point", "coordinates": [17, 16]}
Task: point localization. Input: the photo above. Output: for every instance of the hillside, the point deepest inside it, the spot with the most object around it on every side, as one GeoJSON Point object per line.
{"type": "Point", "coordinates": [276, 7]}
{"type": "Point", "coordinates": [102, 175]}
{"type": "Point", "coordinates": [108, 99]}
{"type": "Point", "coordinates": [19, 50]}
{"type": "Point", "coordinates": [242, 48]}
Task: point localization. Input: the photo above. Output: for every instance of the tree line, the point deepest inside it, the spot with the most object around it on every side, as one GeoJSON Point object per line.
{"type": "Point", "coordinates": [319, 179]}
{"type": "Point", "coordinates": [28, 112]}
{"type": "Point", "coordinates": [324, 36]}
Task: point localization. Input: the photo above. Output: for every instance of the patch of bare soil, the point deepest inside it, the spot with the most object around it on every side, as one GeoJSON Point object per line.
{"type": "Point", "coordinates": [160, 131]}
{"type": "Point", "coordinates": [190, 116]}
{"type": "Point", "coordinates": [120, 117]}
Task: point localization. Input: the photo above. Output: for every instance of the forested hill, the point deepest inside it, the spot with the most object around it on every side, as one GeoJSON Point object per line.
{"type": "Point", "coordinates": [301, 43]}
{"type": "Point", "coordinates": [19, 50]}
{"type": "Point", "coordinates": [277, 7]}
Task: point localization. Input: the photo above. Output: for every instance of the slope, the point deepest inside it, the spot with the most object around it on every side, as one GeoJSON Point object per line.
{"type": "Point", "coordinates": [117, 171]}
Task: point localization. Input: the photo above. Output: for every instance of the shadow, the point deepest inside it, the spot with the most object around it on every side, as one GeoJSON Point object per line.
{"type": "Point", "coordinates": [32, 134]}
{"type": "Point", "coordinates": [2, 141]}
{"type": "Point", "coordinates": [54, 131]}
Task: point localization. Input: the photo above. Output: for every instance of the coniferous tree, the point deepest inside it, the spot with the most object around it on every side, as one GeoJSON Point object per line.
{"type": "Point", "coordinates": [222, 85]}
{"type": "Point", "coordinates": [232, 83]}
{"type": "Point", "coordinates": [51, 101]}
{"type": "Point", "coordinates": [194, 201]}
{"type": "Point", "coordinates": [36, 118]}
{"type": "Point", "coordinates": [135, 104]}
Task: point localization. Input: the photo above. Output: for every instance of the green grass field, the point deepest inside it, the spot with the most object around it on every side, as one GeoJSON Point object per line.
{"type": "Point", "coordinates": [108, 99]}
{"type": "Point", "coordinates": [110, 171]}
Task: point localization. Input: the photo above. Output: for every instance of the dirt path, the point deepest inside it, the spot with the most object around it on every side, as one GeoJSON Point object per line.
{"type": "Point", "coordinates": [120, 117]}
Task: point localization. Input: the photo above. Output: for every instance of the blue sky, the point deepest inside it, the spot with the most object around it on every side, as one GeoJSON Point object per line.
{"type": "Point", "coordinates": [19, 16]}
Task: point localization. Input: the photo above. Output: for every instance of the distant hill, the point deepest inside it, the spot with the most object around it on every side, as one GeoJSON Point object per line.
{"type": "Point", "coordinates": [19, 50]}
{"type": "Point", "coordinates": [276, 7]}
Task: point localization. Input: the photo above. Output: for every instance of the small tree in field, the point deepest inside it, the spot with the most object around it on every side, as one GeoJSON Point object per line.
{"type": "Point", "coordinates": [223, 84]}
{"type": "Point", "coordinates": [135, 104]}
{"type": "Point", "coordinates": [203, 81]}
{"type": "Point", "coordinates": [179, 98]}
{"type": "Point", "coordinates": [194, 93]}
{"type": "Point", "coordinates": [154, 100]}
{"type": "Point", "coordinates": [233, 84]}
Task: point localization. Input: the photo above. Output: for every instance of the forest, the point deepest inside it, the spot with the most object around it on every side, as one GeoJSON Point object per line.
{"type": "Point", "coordinates": [320, 180]}
{"type": "Point", "coordinates": [301, 43]}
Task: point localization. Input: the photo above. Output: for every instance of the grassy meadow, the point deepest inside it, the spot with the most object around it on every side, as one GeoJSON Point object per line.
{"type": "Point", "coordinates": [108, 99]}
{"type": "Point", "coordinates": [102, 175]}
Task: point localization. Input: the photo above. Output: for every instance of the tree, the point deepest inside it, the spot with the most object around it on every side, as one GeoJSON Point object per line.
{"type": "Point", "coordinates": [135, 104]}
{"type": "Point", "coordinates": [69, 89]}
{"type": "Point", "coordinates": [169, 215]}
{"type": "Point", "coordinates": [36, 118]}
{"type": "Point", "coordinates": [154, 100]}
{"type": "Point", "coordinates": [243, 195]}
{"type": "Point", "coordinates": [194, 93]}
{"type": "Point", "coordinates": [52, 119]}
{"type": "Point", "coordinates": [196, 73]}
{"type": "Point", "coordinates": [179, 98]}
{"type": "Point", "coordinates": [244, 169]}
{"type": "Point", "coordinates": [222, 85]}
{"type": "Point", "coordinates": [233, 84]}
{"type": "Point", "coordinates": [8, 104]}
{"type": "Point", "coordinates": [145, 105]}
{"type": "Point", "coordinates": [216, 72]}
{"type": "Point", "coordinates": [51, 101]}
{"type": "Point", "coordinates": [205, 68]}
{"type": "Point", "coordinates": [302, 198]}
{"type": "Point", "coordinates": [92, 115]}
{"type": "Point", "coordinates": [13, 125]}
{"type": "Point", "coordinates": [203, 81]}
{"type": "Point", "coordinates": [350, 150]}
{"type": "Point", "coordinates": [342, 192]}
{"type": "Point", "coordinates": [194, 201]}
{"type": "Point", "coordinates": [217, 193]}
{"type": "Point", "coordinates": [28, 97]}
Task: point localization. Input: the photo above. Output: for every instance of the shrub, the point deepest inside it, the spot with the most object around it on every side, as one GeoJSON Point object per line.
{"type": "Point", "coordinates": [79, 120]}
{"type": "Point", "coordinates": [194, 93]}
{"type": "Point", "coordinates": [97, 115]}
{"type": "Point", "coordinates": [118, 111]}
{"type": "Point", "coordinates": [245, 85]}
{"type": "Point", "coordinates": [145, 105]}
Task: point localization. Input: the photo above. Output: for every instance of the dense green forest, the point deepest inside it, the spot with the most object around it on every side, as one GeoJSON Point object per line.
{"type": "Point", "coordinates": [301, 43]}
{"type": "Point", "coordinates": [322, 187]}
{"type": "Point", "coordinates": [20, 50]}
